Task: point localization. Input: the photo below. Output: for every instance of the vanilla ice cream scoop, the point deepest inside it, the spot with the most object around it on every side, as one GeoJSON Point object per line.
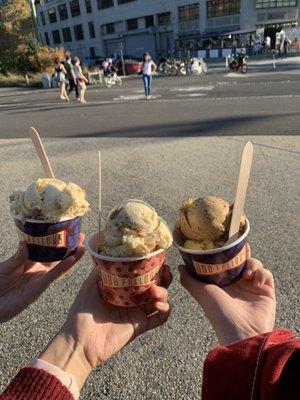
{"type": "Point", "coordinates": [50, 200]}
{"type": "Point", "coordinates": [205, 222]}
{"type": "Point", "coordinates": [134, 229]}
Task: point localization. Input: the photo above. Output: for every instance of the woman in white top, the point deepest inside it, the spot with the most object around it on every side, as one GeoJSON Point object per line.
{"type": "Point", "coordinates": [148, 69]}
{"type": "Point", "coordinates": [80, 80]}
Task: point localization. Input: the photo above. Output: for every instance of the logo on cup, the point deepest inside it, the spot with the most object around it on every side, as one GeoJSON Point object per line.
{"type": "Point", "coordinates": [120, 282]}
{"type": "Point", "coordinates": [58, 239]}
{"type": "Point", "coordinates": [211, 269]}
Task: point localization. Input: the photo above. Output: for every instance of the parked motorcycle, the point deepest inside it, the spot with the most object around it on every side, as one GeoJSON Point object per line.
{"type": "Point", "coordinates": [197, 66]}
{"type": "Point", "coordinates": [238, 64]}
{"type": "Point", "coordinates": [171, 67]}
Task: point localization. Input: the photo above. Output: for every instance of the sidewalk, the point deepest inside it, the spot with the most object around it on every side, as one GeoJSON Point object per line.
{"type": "Point", "coordinates": [255, 61]}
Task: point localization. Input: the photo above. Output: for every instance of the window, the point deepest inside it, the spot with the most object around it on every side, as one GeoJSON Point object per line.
{"type": "Point", "coordinates": [132, 24]}
{"type": "Point", "coordinates": [164, 19]}
{"type": "Point", "coordinates": [92, 52]}
{"type": "Point", "coordinates": [88, 6]}
{"type": "Point", "coordinates": [43, 19]}
{"type": "Point", "coordinates": [67, 36]}
{"type": "Point", "coordinates": [188, 13]}
{"type": "Point", "coordinates": [220, 8]}
{"type": "Point", "coordinates": [75, 8]}
{"type": "Point", "coordinates": [56, 37]}
{"type": "Point", "coordinates": [105, 4]}
{"type": "Point", "coordinates": [92, 29]}
{"type": "Point", "coordinates": [63, 12]}
{"type": "Point", "coordinates": [124, 1]}
{"type": "Point", "coordinates": [47, 38]}
{"type": "Point", "coordinates": [110, 28]}
{"type": "Point", "coordinates": [52, 15]}
{"type": "Point", "coordinates": [149, 21]}
{"type": "Point", "coordinates": [78, 32]}
{"type": "Point", "coordinates": [275, 3]}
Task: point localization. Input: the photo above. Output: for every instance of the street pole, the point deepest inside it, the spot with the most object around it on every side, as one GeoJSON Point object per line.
{"type": "Point", "coordinates": [122, 58]}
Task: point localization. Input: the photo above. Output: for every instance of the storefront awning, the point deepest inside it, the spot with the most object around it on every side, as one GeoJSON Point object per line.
{"type": "Point", "coordinates": [210, 35]}
{"type": "Point", "coordinates": [238, 32]}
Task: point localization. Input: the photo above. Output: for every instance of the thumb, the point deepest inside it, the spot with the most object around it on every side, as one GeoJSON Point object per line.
{"type": "Point", "coordinates": [15, 261]}
{"type": "Point", "coordinates": [61, 269]}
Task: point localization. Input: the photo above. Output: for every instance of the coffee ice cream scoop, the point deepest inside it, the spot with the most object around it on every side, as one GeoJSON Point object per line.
{"type": "Point", "coordinates": [50, 200]}
{"type": "Point", "coordinates": [205, 222]}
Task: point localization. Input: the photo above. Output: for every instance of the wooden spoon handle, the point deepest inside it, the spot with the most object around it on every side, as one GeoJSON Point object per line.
{"type": "Point", "coordinates": [39, 148]}
{"type": "Point", "coordinates": [241, 192]}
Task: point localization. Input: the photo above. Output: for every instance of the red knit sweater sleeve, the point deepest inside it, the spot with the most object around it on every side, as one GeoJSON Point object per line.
{"type": "Point", "coordinates": [265, 367]}
{"type": "Point", "coordinates": [35, 384]}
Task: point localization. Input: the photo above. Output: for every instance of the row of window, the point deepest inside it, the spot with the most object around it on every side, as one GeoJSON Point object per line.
{"type": "Point", "coordinates": [221, 8]}
{"type": "Point", "coordinates": [163, 19]}
{"type": "Point", "coordinates": [275, 3]}
{"type": "Point", "coordinates": [74, 11]}
{"type": "Point", "coordinates": [67, 34]}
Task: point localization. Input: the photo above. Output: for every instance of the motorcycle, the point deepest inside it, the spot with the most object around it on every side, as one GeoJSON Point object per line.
{"type": "Point", "coordinates": [171, 67]}
{"type": "Point", "coordinates": [112, 79]}
{"type": "Point", "coordinates": [197, 66]}
{"type": "Point", "coordinates": [239, 64]}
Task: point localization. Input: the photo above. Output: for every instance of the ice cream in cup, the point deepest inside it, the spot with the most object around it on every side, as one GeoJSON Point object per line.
{"type": "Point", "coordinates": [201, 236]}
{"type": "Point", "coordinates": [48, 218]}
{"type": "Point", "coordinates": [130, 253]}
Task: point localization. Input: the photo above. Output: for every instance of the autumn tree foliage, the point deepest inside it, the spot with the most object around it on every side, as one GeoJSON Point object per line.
{"type": "Point", "coordinates": [20, 50]}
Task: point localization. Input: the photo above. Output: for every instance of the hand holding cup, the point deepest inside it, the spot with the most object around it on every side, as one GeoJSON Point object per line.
{"type": "Point", "coordinates": [96, 330]}
{"type": "Point", "coordinates": [241, 310]}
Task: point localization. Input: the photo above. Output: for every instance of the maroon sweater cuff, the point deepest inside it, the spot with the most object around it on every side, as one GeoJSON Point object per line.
{"type": "Point", "coordinates": [35, 384]}
{"type": "Point", "coordinates": [252, 368]}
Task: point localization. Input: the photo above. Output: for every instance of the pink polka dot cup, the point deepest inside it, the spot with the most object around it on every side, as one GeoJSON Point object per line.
{"type": "Point", "coordinates": [125, 282]}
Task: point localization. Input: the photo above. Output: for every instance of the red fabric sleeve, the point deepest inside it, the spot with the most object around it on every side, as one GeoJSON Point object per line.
{"type": "Point", "coordinates": [263, 367]}
{"type": "Point", "coordinates": [35, 384]}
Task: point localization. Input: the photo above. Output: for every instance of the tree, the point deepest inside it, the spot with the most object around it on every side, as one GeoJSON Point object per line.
{"type": "Point", "coordinates": [19, 49]}
{"type": "Point", "coordinates": [15, 25]}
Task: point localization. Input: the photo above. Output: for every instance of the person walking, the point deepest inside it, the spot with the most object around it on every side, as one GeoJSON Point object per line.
{"type": "Point", "coordinates": [80, 80]}
{"type": "Point", "coordinates": [268, 44]}
{"type": "Point", "coordinates": [148, 69]}
{"type": "Point", "coordinates": [60, 77]}
{"type": "Point", "coordinates": [286, 43]}
{"type": "Point", "coordinates": [71, 76]}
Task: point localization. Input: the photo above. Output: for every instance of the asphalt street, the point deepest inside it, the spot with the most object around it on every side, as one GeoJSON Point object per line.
{"type": "Point", "coordinates": [185, 142]}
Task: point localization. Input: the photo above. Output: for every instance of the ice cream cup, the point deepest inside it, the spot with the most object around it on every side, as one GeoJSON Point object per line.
{"type": "Point", "coordinates": [126, 282]}
{"type": "Point", "coordinates": [221, 266]}
{"type": "Point", "coordinates": [48, 242]}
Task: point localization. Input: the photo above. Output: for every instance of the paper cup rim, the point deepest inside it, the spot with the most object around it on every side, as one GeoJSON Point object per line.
{"type": "Point", "coordinates": [40, 221]}
{"type": "Point", "coordinates": [119, 259]}
{"type": "Point", "coordinates": [216, 250]}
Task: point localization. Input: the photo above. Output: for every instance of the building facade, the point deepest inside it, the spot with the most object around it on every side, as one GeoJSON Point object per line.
{"type": "Point", "coordinates": [90, 28]}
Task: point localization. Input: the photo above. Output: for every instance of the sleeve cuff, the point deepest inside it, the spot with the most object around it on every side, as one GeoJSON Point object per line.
{"type": "Point", "coordinates": [68, 380]}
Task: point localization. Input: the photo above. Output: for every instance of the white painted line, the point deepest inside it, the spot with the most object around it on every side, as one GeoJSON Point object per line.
{"type": "Point", "coordinates": [192, 88]}
{"type": "Point", "coordinates": [191, 95]}
{"type": "Point", "coordinates": [134, 97]}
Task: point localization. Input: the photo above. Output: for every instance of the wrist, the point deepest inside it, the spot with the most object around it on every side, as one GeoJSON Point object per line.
{"type": "Point", "coordinates": [68, 355]}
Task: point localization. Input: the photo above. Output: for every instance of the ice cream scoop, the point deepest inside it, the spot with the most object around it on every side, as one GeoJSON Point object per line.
{"type": "Point", "coordinates": [205, 222]}
{"type": "Point", "coordinates": [134, 229]}
{"type": "Point", "coordinates": [50, 200]}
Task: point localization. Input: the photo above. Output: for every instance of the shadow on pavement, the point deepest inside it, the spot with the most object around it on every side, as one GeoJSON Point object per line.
{"type": "Point", "coordinates": [231, 126]}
